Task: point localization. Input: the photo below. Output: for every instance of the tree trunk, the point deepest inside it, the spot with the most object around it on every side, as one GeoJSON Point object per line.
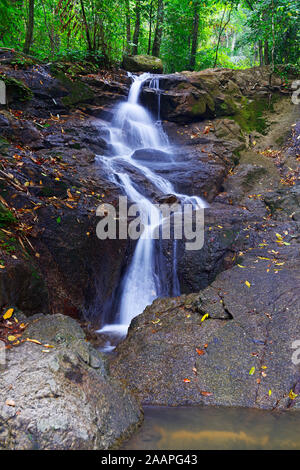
{"type": "Point", "coordinates": [158, 29]}
{"type": "Point", "coordinates": [87, 32]}
{"type": "Point", "coordinates": [266, 53]}
{"type": "Point", "coordinates": [222, 29]}
{"type": "Point", "coordinates": [29, 28]}
{"type": "Point", "coordinates": [128, 31]}
{"type": "Point", "coordinates": [136, 33]}
{"type": "Point", "coordinates": [260, 51]}
{"type": "Point", "coordinates": [150, 27]}
{"type": "Point", "coordinates": [195, 35]}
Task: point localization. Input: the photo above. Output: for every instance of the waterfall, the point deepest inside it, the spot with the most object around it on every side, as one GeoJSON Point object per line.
{"type": "Point", "coordinates": [133, 128]}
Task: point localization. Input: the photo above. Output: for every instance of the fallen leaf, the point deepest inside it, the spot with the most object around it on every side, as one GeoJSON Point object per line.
{"type": "Point", "coordinates": [200, 351]}
{"type": "Point", "coordinates": [205, 394]}
{"type": "Point", "coordinates": [292, 395]}
{"type": "Point", "coordinates": [8, 314]}
{"type": "Point", "coordinates": [33, 341]}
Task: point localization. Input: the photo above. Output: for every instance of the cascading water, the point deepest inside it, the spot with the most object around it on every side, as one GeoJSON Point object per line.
{"type": "Point", "coordinates": [132, 129]}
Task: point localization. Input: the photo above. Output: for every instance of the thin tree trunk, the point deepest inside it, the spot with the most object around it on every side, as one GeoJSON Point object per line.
{"type": "Point", "coordinates": [128, 31]}
{"type": "Point", "coordinates": [150, 27]}
{"type": "Point", "coordinates": [158, 29]}
{"type": "Point", "coordinates": [29, 28]}
{"type": "Point", "coordinates": [266, 53]}
{"type": "Point", "coordinates": [195, 35]}
{"type": "Point", "coordinates": [273, 45]}
{"type": "Point", "coordinates": [136, 33]}
{"type": "Point", "coordinates": [87, 32]}
{"type": "Point", "coordinates": [222, 28]}
{"type": "Point", "coordinates": [260, 51]}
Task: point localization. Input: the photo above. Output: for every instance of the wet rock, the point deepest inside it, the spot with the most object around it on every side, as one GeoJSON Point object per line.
{"type": "Point", "coordinates": [168, 199]}
{"type": "Point", "coordinates": [152, 155]}
{"type": "Point", "coordinates": [67, 400]}
{"type": "Point", "coordinates": [142, 63]}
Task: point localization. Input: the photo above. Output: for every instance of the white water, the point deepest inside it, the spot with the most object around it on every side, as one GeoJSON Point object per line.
{"type": "Point", "coordinates": [133, 128]}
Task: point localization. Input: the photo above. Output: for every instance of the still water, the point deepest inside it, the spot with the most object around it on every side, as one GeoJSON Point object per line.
{"type": "Point", "coordinates": [196, 428]}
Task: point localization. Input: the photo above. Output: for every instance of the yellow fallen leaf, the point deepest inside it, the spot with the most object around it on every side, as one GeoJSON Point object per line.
{"type": "Point", "coordinates": [252, 370]}
{"type": "Point", "coordinates": [33, 341]}
{"type": "Point", "coordinates": [240, 266]}
{"type": "Point", "coordinates": [11, 338]}
{"type": "Point", "coordinates": [8, 314]}
{"type": "Point", "coordinates": [270, 393]}
{"type": "Point", "coordinates": [205, 317]}
{"type": "Point", "coordinates": [292, 395]}
{"type": "Point", "coordinates": [247, 283]}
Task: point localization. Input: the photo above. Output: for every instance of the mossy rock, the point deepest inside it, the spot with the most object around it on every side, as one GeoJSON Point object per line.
{"type": "Point", "coordinates": [142, 63]}
{"type": "Point", "coordinates": [79, 92]}
{"type": "Point", "coordinates": [199, 108]}
{"type": "Point", "coordinates": [69, 68]}
{"type": "Point", "coordinates": [6, 217]}
{"type": "Point", "coordinates": [16, 90]}
{"type": "Point", "coordinates": [250, 116]}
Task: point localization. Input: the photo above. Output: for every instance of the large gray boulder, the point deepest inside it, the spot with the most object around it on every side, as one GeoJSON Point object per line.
{"type": "Point", "coordinates": [62, 397]}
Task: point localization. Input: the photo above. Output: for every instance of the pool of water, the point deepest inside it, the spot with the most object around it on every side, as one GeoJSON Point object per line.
{"type": "Point", "coordinates": [198, 428]}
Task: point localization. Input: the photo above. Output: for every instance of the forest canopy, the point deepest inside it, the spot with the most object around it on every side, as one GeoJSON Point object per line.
{"type": "Point", "coordinates": [185, 34]}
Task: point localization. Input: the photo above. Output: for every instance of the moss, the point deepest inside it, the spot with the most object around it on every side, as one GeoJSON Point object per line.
{"type": "Point", "coordinates": [74, 69]}
{"type": "Point", "coordinates": [16, 89]}
{"type": "Point", "coordinates": [251, 115]}
{"type": "Point", "coordinates": [143, 63]}
{"type": "Point", "coordinates": [79, 92]}
{"type": "Point", "coordinates": [199, 108]}
{"type": "Point", "coordinates": [23, 61]}
{"type": "Point", "coordinates": [76, 146]}
{"type": "Point", "coordinates": [6, 217]}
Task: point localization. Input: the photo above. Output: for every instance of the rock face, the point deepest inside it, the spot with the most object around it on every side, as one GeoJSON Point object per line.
{"type": "Point", "coordinates": [142, 63]}
{"type": "Point", "coordinates": [63, 398]}
{"type": "Point", "coordinates": [232, 358]}
{"type": "Point", "coordinates": [191, 96]}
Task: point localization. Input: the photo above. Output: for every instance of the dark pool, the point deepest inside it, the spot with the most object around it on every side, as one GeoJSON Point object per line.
{"type": "Point", "coordinates": [197, 428]}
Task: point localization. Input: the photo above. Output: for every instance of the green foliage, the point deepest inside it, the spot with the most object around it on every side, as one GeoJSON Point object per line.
{"type": "Point", "coordinates": [6, 217]}
{"type": "Point", "coordinates": [96, 31]}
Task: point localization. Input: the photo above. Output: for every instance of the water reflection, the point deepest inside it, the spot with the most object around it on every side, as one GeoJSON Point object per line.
{"type": "Point", "coordinates": [197, 428]}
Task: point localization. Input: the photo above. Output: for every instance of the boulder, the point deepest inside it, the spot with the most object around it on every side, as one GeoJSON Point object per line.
{"type": "Point", "coordinates": [62, 397]}
{"type": "Point", "coordinates": [142, 63]}
{"type": "Point", "coordinates": [230, 345]}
